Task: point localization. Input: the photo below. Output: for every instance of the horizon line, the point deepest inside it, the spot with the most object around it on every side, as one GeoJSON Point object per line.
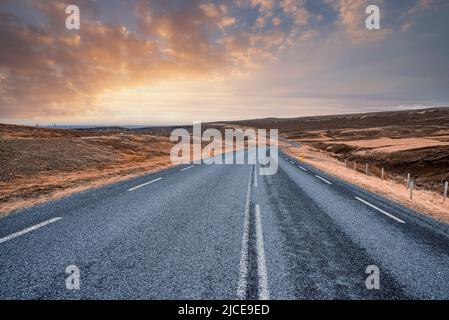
{"type": "Point", "coordinates": [137, 126]}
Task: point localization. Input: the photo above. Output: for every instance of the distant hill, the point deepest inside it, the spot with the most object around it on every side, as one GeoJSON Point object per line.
{"type": "Point", "coordinates": [424, 117]}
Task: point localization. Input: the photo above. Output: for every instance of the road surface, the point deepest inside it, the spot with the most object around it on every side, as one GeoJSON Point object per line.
{"type": "Point", "coordinates": [224, 232]}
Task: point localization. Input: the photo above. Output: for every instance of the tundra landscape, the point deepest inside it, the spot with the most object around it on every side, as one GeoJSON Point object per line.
{"type": "Point", "coordinates": [230, 150]}
{"type": "Point", "coordinates": [39, 164]}
{"type": "Point", "coordinates": [410, 141]}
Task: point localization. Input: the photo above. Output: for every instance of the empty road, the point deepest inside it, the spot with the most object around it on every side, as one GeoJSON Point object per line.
{"type": "Point", "coordinates": [224, 232]}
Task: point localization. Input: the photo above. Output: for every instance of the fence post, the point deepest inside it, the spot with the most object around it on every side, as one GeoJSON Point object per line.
{"type": "Point", "coordinates": [366, 168]}
{"type": "Point", "coordinates": [382, 174]}
{"type": "Point", "coordinates": [408, 180]}
{"type": "Point", "coordinates": [445, 190]}
{"type": "Point", "coordinates": [355, 166]}
{"type": "Point", "coordinates": [345, 163]}
{"type": "Point", "coordinates": [411, 190]}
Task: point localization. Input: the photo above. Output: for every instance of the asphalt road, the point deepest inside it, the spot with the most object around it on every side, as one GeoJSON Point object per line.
{"type": "Point", "coordinates": [224, 232]}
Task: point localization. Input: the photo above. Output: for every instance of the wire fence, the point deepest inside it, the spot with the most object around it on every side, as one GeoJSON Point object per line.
{"type": "Point", "coordinates": [118, 131]}
{"type": "Point", "coordinates": [412, 183]}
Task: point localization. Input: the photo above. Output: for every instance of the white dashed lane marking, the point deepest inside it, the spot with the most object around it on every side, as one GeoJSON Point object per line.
{"type": "Point", "coordinates": [322, 179]}
{"type": "Point", "coordinates": [380, 210]}
{"type": "Point", "coordinates": [24, 231]}
{"type": "Point", "coordinates": [144, 184]}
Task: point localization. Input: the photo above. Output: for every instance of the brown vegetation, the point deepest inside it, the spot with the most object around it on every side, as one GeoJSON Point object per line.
{"type": "Point", "coordinates": [424, 201]}
{"type": "Point", "coordinates": [41, 164]}
{"type": "Point", "coordinates": [402, 142]}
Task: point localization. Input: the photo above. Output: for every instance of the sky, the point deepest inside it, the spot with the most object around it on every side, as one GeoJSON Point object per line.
{"type": "Point", "coordinates": [157, 62]}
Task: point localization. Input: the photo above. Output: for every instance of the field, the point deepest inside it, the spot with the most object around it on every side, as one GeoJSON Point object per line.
{"type": "Point", "coordinates": [41, 164]}
{"type": "Point", "coordinates": [413, 141]}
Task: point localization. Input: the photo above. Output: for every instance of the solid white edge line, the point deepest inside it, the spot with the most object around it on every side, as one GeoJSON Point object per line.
{"type": "Point", "coordinates": [144, 184]}
{"type": "Point", "coordinates": [186, 168]}
{"type": "Point", "coordinates": [24, 231]}
{"type": "Point", "coordinates": [380, 210]}
{"type": "Point", "coordinates": [264, 292]}
{"type": "Point", "coordinates": [321, 178]}
{"type": "Point", "coordinates": [243, 265]}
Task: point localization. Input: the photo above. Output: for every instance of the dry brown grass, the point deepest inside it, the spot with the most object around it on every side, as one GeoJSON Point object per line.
{"type": "Point", "coordinates": [388, 145]}
{"type": "Point", "coordinates": [38, 165]}
{"type": "Point", "coordinates": [360, 130]}
{"type": "Point", "coordinates": [427, 202]}
{"type": "Point", "coordinates": [43, 164]}
{"type": "Point", "coordinates": [25, 192]}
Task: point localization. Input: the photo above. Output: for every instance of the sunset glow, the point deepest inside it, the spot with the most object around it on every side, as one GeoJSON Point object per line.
{"type": "Point", "coordinates": [164, 62]}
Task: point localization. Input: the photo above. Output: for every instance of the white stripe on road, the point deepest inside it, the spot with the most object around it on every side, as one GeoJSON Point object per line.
{"type": "Point", "coordinates": [292, 162]}
{"type": "Point", "coordinates": [302, 168]}
{"type": "Point", "coordinates": [264, 292]}
{"type": "Point", "coordinates": [255, 176]}
{"type": "Point", "coordinates": [186, 168]}
{"type": "Point", "coordinates": [380, 210]}
{"type": "Point", "coordinates": [243, 266]}
{"type": "Point", "coordinates": [144, 184]}
{"type": "Point", "coordinates": [35, 227]}
{"type": "Point", "coordinates": [321, 178]}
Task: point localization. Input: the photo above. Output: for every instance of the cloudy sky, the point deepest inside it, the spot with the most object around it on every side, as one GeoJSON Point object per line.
{"type": "Point", "coordinates": [168, 61]}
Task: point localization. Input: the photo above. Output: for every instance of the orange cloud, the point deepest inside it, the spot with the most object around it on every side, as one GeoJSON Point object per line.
{"type": "Point", "coordinates": [46, 69]}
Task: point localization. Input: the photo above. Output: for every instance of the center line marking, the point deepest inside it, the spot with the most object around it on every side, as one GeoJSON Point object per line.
{"type": "Point", "coordinates": [328, 182]}
{"type": "Point", "coordinates": [35, 227]}
{"type": "Point", "coordinates": [380, 210]}
{"type": "Point", "coordinates": [255, 176]}
{"type": "Point", "coordinates": [144, 184]}
{"type": "Point", "coordinates": [264, 292]}
{"type": "Point", "coordinates": [186, 168]}
{"type": "Point", "coordinates": [243, 265]}
{"type": "Point", "coordinates": [302, 168]}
